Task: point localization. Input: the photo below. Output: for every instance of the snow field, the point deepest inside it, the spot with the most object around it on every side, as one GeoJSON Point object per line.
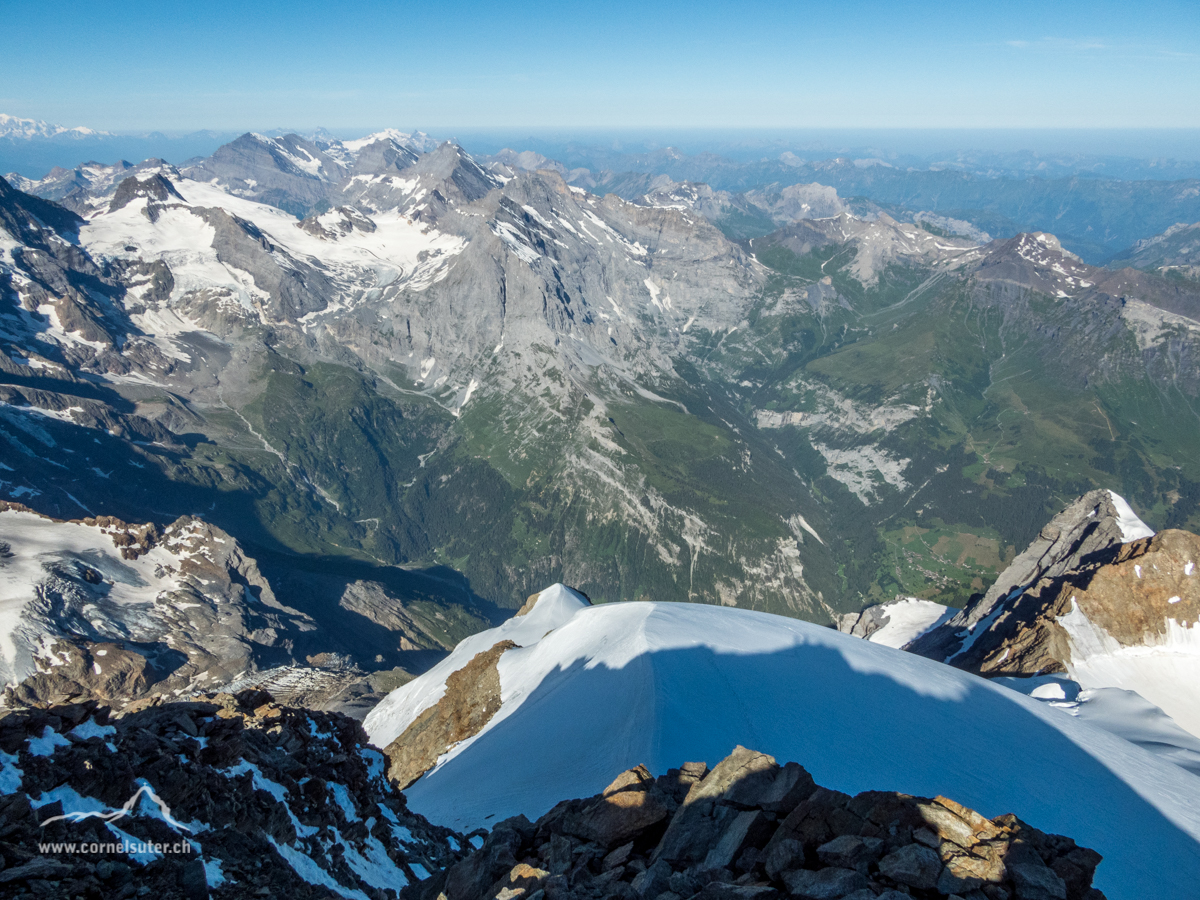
{"type": "Point", "coordinates": [613, 686]}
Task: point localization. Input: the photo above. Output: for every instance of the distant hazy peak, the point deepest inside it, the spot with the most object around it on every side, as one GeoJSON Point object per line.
{"type": "Point", "coordinates": [16, 128]}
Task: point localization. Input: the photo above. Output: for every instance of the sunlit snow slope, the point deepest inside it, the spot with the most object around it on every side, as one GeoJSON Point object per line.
{"type": "Point", "coordinates": [613, 686]}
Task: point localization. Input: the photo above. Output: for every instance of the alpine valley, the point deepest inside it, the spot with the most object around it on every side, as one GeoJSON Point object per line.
{"type": "Point", "coordinates": [299, 432]}
{"type": "Point", "coordinates": [384, 359]}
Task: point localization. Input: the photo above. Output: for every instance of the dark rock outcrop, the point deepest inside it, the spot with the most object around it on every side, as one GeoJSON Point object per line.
{"type": "Point", "coordinates": [243, 797]}
{"type": "Point", "coordinates": [751, 828]}
{"type": "Point", "coordinates": [154, 188]}
{"type": "Point", "coordinates": [1128, 595]}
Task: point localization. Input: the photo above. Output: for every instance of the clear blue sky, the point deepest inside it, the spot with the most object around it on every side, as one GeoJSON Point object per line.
{"type": "Point", "coordinates": [438, 65]}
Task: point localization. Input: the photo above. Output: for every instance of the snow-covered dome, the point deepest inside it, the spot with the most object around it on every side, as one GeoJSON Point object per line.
{"type": "Point", "coordinates": [594, 690]}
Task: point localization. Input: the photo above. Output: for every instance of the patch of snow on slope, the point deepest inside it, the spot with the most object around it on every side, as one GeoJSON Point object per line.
{"type": "Point", "coordinates": [511, 237]}
{"type": "Point", "coordinates": [1164, 670]}
{"type": "Point", "coordinates": [908, 619]}
{"type": "Point", "coordinates": [798, 519]}
{"type": "Point", "coordinates": [306, 867]}
{"type": "Point", "coordinates": [274, 788]}
{"type": "Point", "coordinates": [374, 867]}
{"type": "Point", "coordinates": [1124, 713]}
{"type": "Point", "coordinates": [654, 290]}
{"type": "Point", "coordinates": [213, 875]}
{"type": "Point", "coordinates": [622, 684]}
{"type": "Point", "coordinates": [1132, 528]}
{"type": "Point", "coordinates": [465, 397]}
{"type": "Point", "coordinates": [341, 795]}
{"type": "Point", "coordinates": [90, 729]}
{"type": "Point", "coordinates": [10, 775]}
{"type": "Point", "coordinates": [49, 741]}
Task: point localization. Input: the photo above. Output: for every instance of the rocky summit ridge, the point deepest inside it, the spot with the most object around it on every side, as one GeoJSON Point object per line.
{"type": "Point", "coordinates": [243, 797]}
{"type": "Point", "coordinates": [1097, 598]}
{"type": "Point", "coordinates": [750, 828]}
{"type": "Point", "coordinates": [1077, 536]}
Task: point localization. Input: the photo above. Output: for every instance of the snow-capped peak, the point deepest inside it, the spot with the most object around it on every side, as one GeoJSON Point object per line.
{"type": "Point", "coordinates": [1132, 528]}
{"type": "Point", "coordinates": [416, 140]}
{"type": "Point", "coordinates": [551, 608]}
{"type": "Point", "coordinates": [14, 127]}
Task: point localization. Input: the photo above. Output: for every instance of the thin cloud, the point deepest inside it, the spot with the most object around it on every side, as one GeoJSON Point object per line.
{"type": "Point", "coordinates": [1097, 45]}
{"type": "Point", "coordinates": [1061, 44]}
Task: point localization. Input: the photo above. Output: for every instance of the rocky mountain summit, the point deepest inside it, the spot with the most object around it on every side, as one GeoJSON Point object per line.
{"type": "Point", "coordinates": [99, 608]}
{"type": "Point", "coordinates": [1097, 619]}
{"type": "Point", "coordinates": [1125, 619]}
{"type": "Point", "coordinates": [750, 828]}
{"type": "Point", "coordinates": [1097, 597]}
{"type": "Point", "coordinates": [78, 188]}
{"type": "Point", "coordinates": [1097, 522]}
{"type": "Point", "coordinates": [221, 796]}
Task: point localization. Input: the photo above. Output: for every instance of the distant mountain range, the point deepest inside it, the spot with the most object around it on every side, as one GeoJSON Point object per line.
{"type": "Point", "coordinates": [14, 128]}
{"type": "Point", "coordinates": [394, 372]}
{"type": "Point", "coordinates": [1098, 206]}
{"type": "Point", "coordinates": [33, 148]}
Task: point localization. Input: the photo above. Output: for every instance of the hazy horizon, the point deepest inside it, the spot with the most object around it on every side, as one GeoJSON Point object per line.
{"type": "Point", "coordinates": [903, 146]}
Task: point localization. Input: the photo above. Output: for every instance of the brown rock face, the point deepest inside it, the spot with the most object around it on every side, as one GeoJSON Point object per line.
{"type": "Point", "coordinates": [718, 813]}
{"type": "Point", "coordinates": [530, 603]}
{"type": "Point", "coordinates": [1160, 573]}
{"type": "Point", "coordinates": [625, 808]}
{"type": "Point", "coordinates": [1130, 594]}
{"type": "Point", "coordinates": [371, 601]}
{"type": "Point", "coordinates": [472, 697]}
{"type": "Point", "coordinates": [751, 828]}
{"type": "Point", "coordinates": [102, 671]}
{"type": "Point", "coordinates": [1085, 531]}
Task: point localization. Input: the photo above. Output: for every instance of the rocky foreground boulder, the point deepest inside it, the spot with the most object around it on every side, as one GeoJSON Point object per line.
{"type": "Point", "coordinates": [750, 828]}
{"type": "Point", "coordinates": [232, 796]}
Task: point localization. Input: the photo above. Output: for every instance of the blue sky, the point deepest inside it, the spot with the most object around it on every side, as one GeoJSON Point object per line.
{"type": "Point", "coordinates": [439, 65]}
